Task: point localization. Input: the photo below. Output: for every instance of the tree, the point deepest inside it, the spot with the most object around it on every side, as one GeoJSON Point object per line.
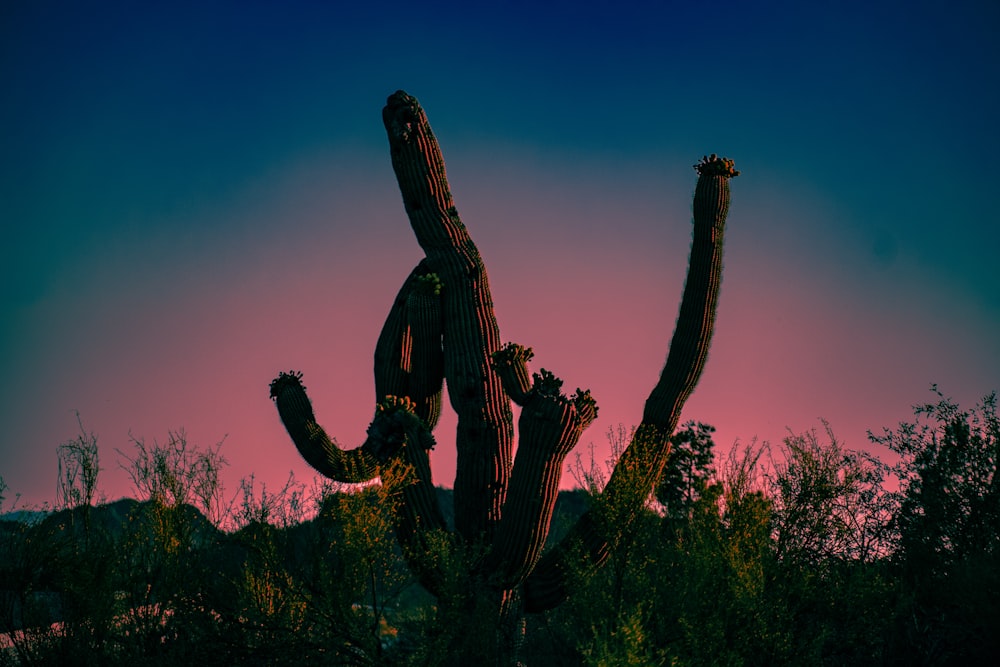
{"type": "Point", "coordinates": [79, 466]}
{"type": "Point", "coordinates": [830, 502]}
{"type": "Point", "coordinates": [949, 490]}
{"type": "Point", "coordinates": [949, 543]}
{"type": "Point", "coordinates": [831, 529]}
{"type": "Point", "coordinates": [688, 472]}
{"type": "Point", "coordinates": [712, 602]}
{"type": "Point", "coordinates": [441, 327]}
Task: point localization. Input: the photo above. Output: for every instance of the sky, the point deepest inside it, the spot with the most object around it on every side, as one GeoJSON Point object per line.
{"type": "Point", "coordinates": [196, 196]}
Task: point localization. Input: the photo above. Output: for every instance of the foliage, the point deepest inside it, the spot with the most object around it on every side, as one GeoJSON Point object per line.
{"type": "Point", "coordinates": [830, 503]}
{"type": "Point", "coordinates": [3, 490]}
{"type": "Point", "coordinates": [172, 474]}
{"type": "Point", "coordinates": [949, 492]}
{"type": "Point", "coordinates": [759, 556]}
{"type": "Point", "coordinates": [79, 466]}
{"type": "Point", "coordinates": [687, 477]}
{"type": "Point", "coordinates": [707, 586]}
{"type": "Point", "coordinates": [948, 515]}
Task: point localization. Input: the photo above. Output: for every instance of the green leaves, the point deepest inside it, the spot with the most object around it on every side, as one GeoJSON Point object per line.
{"type": "Point", "coordinates": [949, 495]}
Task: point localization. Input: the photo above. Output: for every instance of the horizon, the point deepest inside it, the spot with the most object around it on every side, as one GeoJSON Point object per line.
{"type": "Point", "coordinates": [201, 199]}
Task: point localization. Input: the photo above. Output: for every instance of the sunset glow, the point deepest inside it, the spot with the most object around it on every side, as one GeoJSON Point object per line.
{"type": "Point", "coordinates": [195, 201]}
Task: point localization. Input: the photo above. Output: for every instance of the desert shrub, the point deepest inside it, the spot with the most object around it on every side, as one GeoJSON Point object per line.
{"type": "Point", "coordinates": [800, 557]}
{"type": "Point", "coordinates": [948, 515]}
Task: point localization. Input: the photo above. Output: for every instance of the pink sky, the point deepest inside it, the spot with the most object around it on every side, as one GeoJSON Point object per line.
{"type": "Point", "coordinates": [196, 198]}
{"type": "Point", "coordinates": [149, 335]}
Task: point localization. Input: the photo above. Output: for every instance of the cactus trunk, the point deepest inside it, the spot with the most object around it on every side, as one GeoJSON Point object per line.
{"type": "Point", "coordinates": [485, 431]}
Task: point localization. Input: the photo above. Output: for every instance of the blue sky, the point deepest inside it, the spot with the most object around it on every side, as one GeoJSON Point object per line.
{"type": "Point", "coordinates": [196, 196]}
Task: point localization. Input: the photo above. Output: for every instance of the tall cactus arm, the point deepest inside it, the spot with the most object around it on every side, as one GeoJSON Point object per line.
{"type": "Point", "coordinates": [696, 321]}
{"type": "Point", "coordinates": [689, 347]}
{"type": "Point", "coordinates": [484, 435]}
{"type": "Point", "coordinates": [641, 465]}
{"type": "Point", "coordinates": [549, 427]}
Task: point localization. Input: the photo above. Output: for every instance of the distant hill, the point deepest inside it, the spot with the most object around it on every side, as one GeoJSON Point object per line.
{"type": "Point", "coordinates": [32, 543]}
{"type": "Point", "coordinates": [24, 516]}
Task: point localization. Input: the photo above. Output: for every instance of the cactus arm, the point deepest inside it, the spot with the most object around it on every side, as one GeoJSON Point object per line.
{"type": "Point", "coordinates": [394, 365]}
{"type": "Point", "coordinates": [316, 447]}
{"type": "Point", "coordinates": [641, 464]}
{"type": "Point", "coordinates": [511, 364]}
{"type": "Point", "coordinates": [696, 321]}
{"type": "Point", "coordinates": [484, 435]}
{"type": "Point", "coordinates": [408, 355]}
{"type": "Point", "coordinates": [423, 312]}
{"type": "Point", "coordinates": [549, 427]}
{"type": "Point", "coordinates": [689, 346]}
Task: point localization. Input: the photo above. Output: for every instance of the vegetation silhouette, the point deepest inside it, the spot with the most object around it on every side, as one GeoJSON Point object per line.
{"type": "Point", "coordinates": [804, 553]}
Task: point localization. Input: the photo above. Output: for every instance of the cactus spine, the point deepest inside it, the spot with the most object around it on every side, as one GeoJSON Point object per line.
{"type": "Point", "coordinates": [442, 327]}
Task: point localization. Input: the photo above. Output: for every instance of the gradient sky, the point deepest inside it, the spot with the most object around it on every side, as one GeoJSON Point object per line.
{"type": "Point", "coordinates": [196, 197]}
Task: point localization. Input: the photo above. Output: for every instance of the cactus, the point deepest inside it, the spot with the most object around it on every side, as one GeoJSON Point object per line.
{"type": "Point", "coordinates": [442, 326]}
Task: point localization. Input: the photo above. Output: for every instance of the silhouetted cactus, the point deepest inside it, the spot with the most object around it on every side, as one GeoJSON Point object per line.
{"type": "Point", "coordinates": [442, 327]}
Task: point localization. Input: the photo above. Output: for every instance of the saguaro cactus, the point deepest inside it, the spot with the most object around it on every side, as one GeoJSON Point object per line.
{"type": "Point", "coordinates": [441, 326]}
